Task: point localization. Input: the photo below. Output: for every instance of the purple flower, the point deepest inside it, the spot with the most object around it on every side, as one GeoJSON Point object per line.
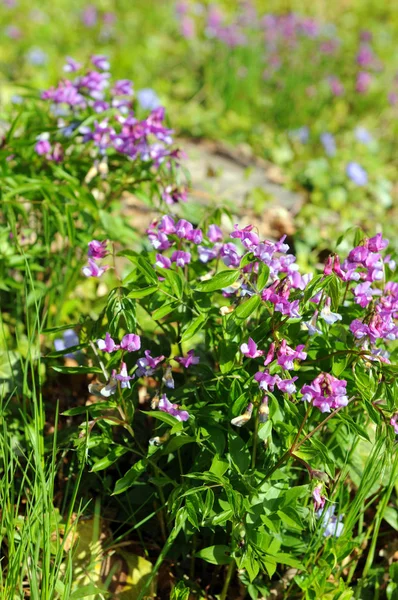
{"type": "Point", "coordinates": [357, 174]}
{"type": "Point", "coordinates": [250, 349]}
{"type": "Point", "coordinates": [243, 418]}
{"type": "Point", "coordinates": [159, 240]}
{"type": "Point", "coordinates": [167, 225]}
{"type": "Point", "coordinates": [163, 262]}
{"type": "Point", "coordinates": [319, 499]}
{"type": "Point", "coordinates": [365, 56]}
{"type": "Point", "coordinates": [172, 195]}
{"type": "Point", "coordinates": [101, 62]}
{"type": "Point", "coordinates": [93, 270]}
{"type": "Point", "coordinates": [131, 342]}
{"type": "Point", "coordinates": [71, 65]}
{"type": "Point", "coordinates": [363, 294]}
{"type": "Point", "coordinates": [230, 255]}
{"type": "Point", "coordinates": [248, 238]}
{"type": "Point", "coordinates": [43, 146]}
{"type": "Point", "coordinates": [148, 99]}
{"type": "Point", "coordinates": [377, 243]}
{"type": "Point", "coordinates": [183, 228]}
{"type": "Point", "coordinates": [69, 339]}
{"type": "Point", "coordinates": [97, 250]}
{"type": "Point", "coordinates": [266, 381]}
{"type": "Point", "coordinates": [89, 15]}
{"type": "Point", "coordinates": [326, 392]}
{"type": "Point", "coordinates": [287, 385]}
{"type": "Point", "coordinates": [329, 143]}
{"type": "Point", "coordinates": [286, 355]}
{"type": "Point", "coordinates": [302, 134]}
{"type": "Point", "coordinates": [108, 344]}
{"type": "Point", "coordinates": [172, 409]}
{"type": "Point", "coordinates": [122, 87]}
{"type": "Point", "coordinates": [168, 378]}
{"type": "Point", "coordinates": [363, 82]}
{"type": "Point", "coordinates": [195, 236]}
{"type": "Point", "coordinates": [336, 87]}
{"type": "Point", "coordinates": [394, 422]}
{"type": "Point", "coordinates": [214, 233]}
{"type": "Point", "coordinates": [187, 26]}
{"type": "Point", "coordinates": [270, 355]}
{"type": "Point", "coordinates": [207, 254]}
{"type": "Point", "coordinates": [123, 376]}
{"type": "Point", "coordinates": [181, 258]}
{"type": "Point", "coordinates": [147, 365]}
{"type": "Point", "coordinates": [189, 360]}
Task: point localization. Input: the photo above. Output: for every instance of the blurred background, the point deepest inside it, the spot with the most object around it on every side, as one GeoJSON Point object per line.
{"type": "Point", "coordinates": [310, 87]}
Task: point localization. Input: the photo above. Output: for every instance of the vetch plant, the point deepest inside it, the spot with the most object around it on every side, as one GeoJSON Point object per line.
{"type": "Point", "coordinates": [244, 387]}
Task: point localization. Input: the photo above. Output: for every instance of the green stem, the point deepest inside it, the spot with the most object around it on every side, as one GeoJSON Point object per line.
{"type": "Point", "coordinates": [255, 441]}
{"type": "Point", "coordinates": [230, 572]}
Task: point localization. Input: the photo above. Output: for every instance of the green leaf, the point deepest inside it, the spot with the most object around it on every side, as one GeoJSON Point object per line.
{"type": "Point", "coordinates": [219, 281]}
{"type": "Point", "coordinates": [264, 430]}
{"type": "Point", "coordinates": [109, 459]}
{"type": "Point", "coordinates": [130, 477]}
{"type": "Point", "coordinates": [244, 310]}
{"type": "Point", "coordinates": [87, 590]}
{"type": "Point", "coordinates": [161, 416]}
{"type": "Point", "coordinates": [262, 276]}
{"type": "Point", "coordinates": [194, 327]}
{"type": "Point", "coordinates": [391, 516]}
{"type": "Point", "coordinates": [164, 310]}
{"type": "Point", "coordinates": [215, 555]}
{"type": "Point", "coordinates": [175, 281]}
{"type": "Point", "coordinates": [227, 351]}
{"type": "Point", "coordinates": [76, 370]}
{"type": "Point", "coordinates": [142, 292]}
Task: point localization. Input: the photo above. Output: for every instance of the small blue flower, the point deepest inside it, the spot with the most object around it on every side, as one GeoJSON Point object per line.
{"type": "Point", "coordinates": [357, 174]}
{"type": "Point", "coordinates": [69, 339]}
{"type": "Point", "coordinates": [329, 143]}
{"type": "Point", "coordinates": [363, 135]}
{"type": "Point", "coordinates": [332, 526]}
{"type": "Point", "coordinates": [301, 134]}
{"type": "Point", "coordinates": [148, 99]}
{"type": "Point", "coordinates": [37, 57]}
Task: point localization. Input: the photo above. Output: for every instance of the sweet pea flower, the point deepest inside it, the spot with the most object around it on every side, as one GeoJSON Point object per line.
{"type": "Point", "coordinates": [263, 411]}
{"type": "Point", "coordinates": [331, 525]}
{"type": "Point", "coordinates": [163, 262]}
{"type": "Point", "coordinates": [123, 87]}
{"type": "Point", "coordinates": [214, 233]}
{"type": "Point", "coordinates": [207, 254]}
{"type": "Point", "coordinates": [287, 385]}
{"type": "Point", "coordinates": [270, 355]}
{"type": "Point", "coordinates": [195, 236]}
{"type": "Point", "coordinates": [357, 174]}
{"type": "Point", "coordinates": [310, 326]}
{"type": "Point", "coordinates": [326, 392]}
{"type": "Point", "coordinates": [266, 381]}
{"type": "Point", "coordinates": [189, 360]}
{"type": "Point", "coordinates": [363, 294]}
{"type": "Point", "coordinates": [181, 258]}
{"type": "Point", "coordinates": [147, 365]}
{"type": "Point", "coordinates": [123, 376]}
{"type": "Point", "coordinates": [159, 240]}
{"type": "Point", "coordinates": [250, 349]}
{"type": "Point", "coordinates": [172, 409]}
{"type": "Point", "coordinates": [364, 79]}
{"type": "Point", "coordinates": [319, 499]}
{"type": "Point", "coordinates": [108, 344]}
{"type": "Point", "coordinates": [131, 342]}
{"type": "Point", "coordinates": [229, 255]}
{"type": "Point", "coordinates": [327, 315]}
{"type": "Point", "coordinates": [286, 355]}
{"type": "Point", "coordinates": [167, 225]}
{"type": "Point", "coordinates": [183, 228]}
{"type": "Point", "coordinates": [101, 62]}
{"type": "Point", "coordinates": [97, 250]}
{"type": "Point", "coordinates": [377, 243]}
{"type": "Point", "coordinates": [243, 418]}
{"type": "Point", "coordinates": [93, 270]}
{"type": "Point", "coordinates": [71, 65]}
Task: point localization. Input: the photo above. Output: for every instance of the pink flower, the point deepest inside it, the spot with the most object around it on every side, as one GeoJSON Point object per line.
{"type": "Point", "coordinates": [108, 344]}
{"type": "Point", "coordinates": [364, 79]}
{"type": "Point", "coordinates": [123, 376]}
{"type": "Point", "coordinates": [195, 236]}
{"type": "Point", "coordinates": [270, 355]}
{"type": "Point", "coordinates": [101, 62]}
{"type": "Point", "coordinates": [147, 365]}
{"type": "Point", "coordinates": [189, 360]}
{"type": "Point", "coordinates": [131, 342]}
{"type": "Point", "coordinates": [377, 243]}
{"type": "Point", "coordinates": [181, 258]}
{"type": "Point", "coordinates": [250, 349]}
{"type": "Point", "coordinates": [172, 409]}
{"type": "Point", "coordinates": [183, 228]}
{"type": "Point", "coordinates": [97, 249]}
{"type": "Point", "coordinates": [287, 356]}
{"type": "Point", "coordinates": [214, 233]}
{"type": "Point", "coordinates": [287, 385]}
{"type": "Point", "coordinates": [93, 270]}
{"type": "Point", "coordinates": [71, 65]}
{"type": "Point", "coordinates": [266, 381]}
{"type": "Point", "coordinates": [326, 392]}
{"type": "Point", "coordinates": [167, 225]}
{"type": "Point", "coordinates": [319, 500]}
{"type": "Point", "coordinates": [163, 262]}
{"type": "Point", "coordinates": [43, 146]}
{"type": "Point", "coordinates": [394, 422]}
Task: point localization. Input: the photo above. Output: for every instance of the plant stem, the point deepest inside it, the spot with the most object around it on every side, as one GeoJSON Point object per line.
{"type": "Point", "coordinates": [255, 441]}
{"type": "Point", "coordinates": [230, 572]}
